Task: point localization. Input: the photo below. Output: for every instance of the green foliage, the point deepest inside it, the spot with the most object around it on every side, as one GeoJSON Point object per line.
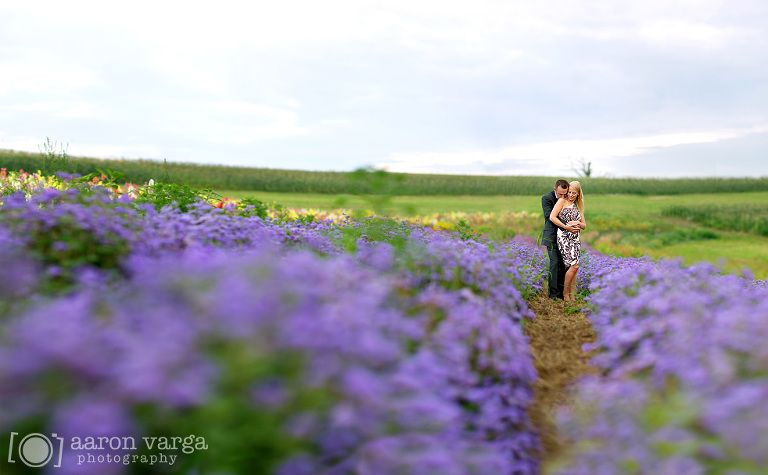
{"type": "Point", "coordinates": [107, 178]}
{"type": "Point", "coordinates": [573, 308]}
{"type": "Point", "coordinates": [685, 235]}
{"type": "Point", "coordinates": [651, 240]}
{"type": "Point", "coordinates": [80, 247]}
{"type": "Point", "coordinates": [307, 219]}
{"type": "Point", "coordinates": [166, 176]}
{"type": "Point", "coordinates": [165, 193]}
{"type": "Point", "coordinates": [63, 243]}
{"type": "Point", "coordinates": [246, 435]}
{"type": "Point", "coordinates": [376, 186]}
{"type": "Point", "coordinates": [373, 229]}
{"type": "Point", "coordinates": [749, 219]}
{"type": "Point", "coordinates": [376, 181]}
{"type": "Point", "coordinates": [170, 194]}
{"type": "Point", "coordinates": [55, 158]}
{"type": "Point", "coordinates": [466, 232]}
{"type": "Point", "coordinates": [253, 207]}
{"type": "Point", "coordinates": [379, 183]}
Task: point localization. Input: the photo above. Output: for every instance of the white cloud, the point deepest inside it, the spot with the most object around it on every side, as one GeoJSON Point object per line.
{"type": "Point", "coordinates": [18, 142]}
{"type": "Point", "coordinates": [67, 110]}
{"type": "Point", "coordinates": [44, 78]}
{"type": "Point", "coordinates": [117, 150]}
{"type": "Point", "coordinates": [549, 156]}
{"type": "Point", "coordinates": [490, 86]}
{"type": "Point", "coordinates": [689, 35]}
{"type": "Point", "coordinates": [81, 149]}
{"type": "Point", "coordinates": [242, 122]}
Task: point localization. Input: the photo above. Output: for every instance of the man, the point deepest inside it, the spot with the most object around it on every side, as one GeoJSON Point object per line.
{"type": "Point", "coordinates": [556, 271]}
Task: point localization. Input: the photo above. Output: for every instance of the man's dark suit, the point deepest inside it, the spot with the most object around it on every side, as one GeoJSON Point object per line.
{"type": "Point", "coordinates": [556, 273]}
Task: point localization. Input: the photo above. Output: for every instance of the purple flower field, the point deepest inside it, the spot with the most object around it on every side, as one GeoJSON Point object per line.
{"type": "Point", "coordinates": [289, 349]}
{"type": "Point", "coordinates": [685, 373]}
{"type": "Point", "coordinates": [367, 347]}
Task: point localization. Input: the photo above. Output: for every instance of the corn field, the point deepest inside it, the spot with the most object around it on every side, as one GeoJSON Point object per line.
{"type": "Point", "coordinates": [372, 182]}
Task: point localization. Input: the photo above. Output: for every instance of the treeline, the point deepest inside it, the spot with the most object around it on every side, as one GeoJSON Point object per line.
{"type": "Point", "coordinates": [220, 177]}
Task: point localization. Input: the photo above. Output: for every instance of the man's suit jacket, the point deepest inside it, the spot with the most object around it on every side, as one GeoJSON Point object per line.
{"type": "Point", "coordinates": [549, 237]}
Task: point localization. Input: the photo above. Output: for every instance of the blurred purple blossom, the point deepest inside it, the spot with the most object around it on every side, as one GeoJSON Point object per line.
{"type": "Point", "coordinates": [419, 344]}
{"type": "Point", "coordinates": [683, 356]}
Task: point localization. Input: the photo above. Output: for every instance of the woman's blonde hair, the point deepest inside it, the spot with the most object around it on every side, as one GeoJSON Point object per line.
{"type": "Point", "coordinates": [580, 199]}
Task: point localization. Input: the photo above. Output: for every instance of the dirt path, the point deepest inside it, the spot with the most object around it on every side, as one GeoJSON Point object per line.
{"type": "Point", "coordinates": [556, 340]}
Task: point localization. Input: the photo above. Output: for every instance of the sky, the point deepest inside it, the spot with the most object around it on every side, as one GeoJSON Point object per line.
{"type": "Point", "coordinates": [644, 88]}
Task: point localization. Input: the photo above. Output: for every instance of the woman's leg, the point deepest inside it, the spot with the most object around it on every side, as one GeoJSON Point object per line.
{"type": "Point", "coordinates": [570, 282]}
{"type": "Point", "coordinates": [567, 286]}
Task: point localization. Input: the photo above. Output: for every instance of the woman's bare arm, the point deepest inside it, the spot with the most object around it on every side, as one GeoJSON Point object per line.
{"type": "Point", "coordinates": [555, 211]}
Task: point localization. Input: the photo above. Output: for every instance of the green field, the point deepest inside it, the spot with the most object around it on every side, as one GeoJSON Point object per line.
{"type": "Point", "coordinates": [624, 224]}
{"type": "Point", "coordinates": [335, 183]}
{"type": "Point", "coordinates": [751, 219]}
{"type": "Point", "coordinates": [409, 205]}
{"type": "Point", "coordinates": [602, 205]}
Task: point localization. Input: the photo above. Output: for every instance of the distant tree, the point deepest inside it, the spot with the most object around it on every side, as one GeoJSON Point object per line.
{"type": "Point", "coordinates": [582, 168]}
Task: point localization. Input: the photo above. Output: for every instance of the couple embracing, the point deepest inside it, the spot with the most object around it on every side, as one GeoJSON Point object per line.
{"type": "Point", "coordinates": [563, 221]}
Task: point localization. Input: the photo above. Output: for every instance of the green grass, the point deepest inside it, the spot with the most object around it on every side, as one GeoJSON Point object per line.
{"type": "Point", "coordinates": [751, 219]}
{"type": "Point", "coordinates": [628, 207]}
{"type": "Point", "coordinates": [409, 205]}
{"type": "Point", "coordinates": [732, 252]}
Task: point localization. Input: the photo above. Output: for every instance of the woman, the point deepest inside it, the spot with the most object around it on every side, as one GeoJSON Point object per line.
{"type": "Point", "coordinates": [568, 216]}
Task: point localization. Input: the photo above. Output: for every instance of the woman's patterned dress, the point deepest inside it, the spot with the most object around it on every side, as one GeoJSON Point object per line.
{"type": "Point", "coordinates": [568, 242]}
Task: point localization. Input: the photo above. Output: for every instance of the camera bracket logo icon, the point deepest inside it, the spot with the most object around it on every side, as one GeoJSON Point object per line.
{"type": "Point", "coordinates": [36, 450]}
